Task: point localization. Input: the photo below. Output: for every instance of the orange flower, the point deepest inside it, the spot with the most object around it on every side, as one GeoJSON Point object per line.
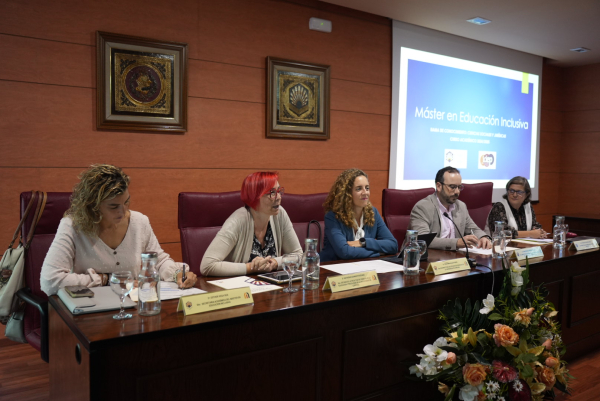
{"type": "Point", "coordinates": [530, 311]}
{"type": "Point", "coordinates": [444, 389]}
{"type": "Point", "coordinates": [481, 396]}
{"type": "Point", "coordinates": [523, 317]}
{"type": "Point", "coordinates": [551, 362]}
{"type": "Point", "coordinates": [451, 358]}
{"type": "Point", "coordinates": [546, 376]}
{"type": "Point", "coordinates": [505, 335]}
{"type": "Point", "coordinates": [548, 343]}
{"type": "Point", "coordinates": [474, 374]}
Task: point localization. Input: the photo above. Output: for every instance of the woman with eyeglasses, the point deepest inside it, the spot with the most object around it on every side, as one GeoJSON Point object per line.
{"type": "Point", "coordinates": [516, 212]}
{"type": "Point", "coordinates": [353, 227]}
{"type": "Point", "coordinates": [255, 236]}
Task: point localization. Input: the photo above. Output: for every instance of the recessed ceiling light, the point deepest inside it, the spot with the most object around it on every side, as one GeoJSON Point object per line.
{"type": "Point", "coordinates": [580, 50]}
{"type": "Point", "coordinates": [479, 21]}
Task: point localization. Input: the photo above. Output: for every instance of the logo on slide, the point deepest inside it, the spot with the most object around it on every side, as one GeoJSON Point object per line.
{"type": "Point", "coordinates": [455, 157]}
{"type": "Point", "coordinates": [487, 160]}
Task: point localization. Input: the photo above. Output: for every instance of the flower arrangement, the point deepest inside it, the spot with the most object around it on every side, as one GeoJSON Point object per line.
{"type": "Point", "coordinates": [505, 348]}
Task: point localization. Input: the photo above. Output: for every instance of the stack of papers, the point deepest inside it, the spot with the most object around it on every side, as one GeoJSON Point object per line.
{"type": "Point", "coordinates": [534, 241]}
{"type": "Point", "coordinates": [481, 251]}
{"type": "Point", "coordinates": [169, 290]}
{"type": "Point", "coordinates": [256, 286]}
{"type": "Point", "coordinates": [380, 266]}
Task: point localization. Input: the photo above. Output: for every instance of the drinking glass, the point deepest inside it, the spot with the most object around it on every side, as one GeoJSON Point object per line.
{"type": "Point", "coordinates": [422, 249]}
{"type": "Point", "coordinates": [122, 284]}
{"type": "Point", "coordinates": [290, 262]}
{"type": "Point", "coordinates": [507, 239]}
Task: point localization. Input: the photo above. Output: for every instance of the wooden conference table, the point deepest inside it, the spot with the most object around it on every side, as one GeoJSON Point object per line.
{"type": "Point", "coordinates": [303, 346]}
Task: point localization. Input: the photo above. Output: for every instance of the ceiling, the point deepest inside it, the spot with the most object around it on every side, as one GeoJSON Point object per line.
{"type": "Point", "coordinates": [547, 28]}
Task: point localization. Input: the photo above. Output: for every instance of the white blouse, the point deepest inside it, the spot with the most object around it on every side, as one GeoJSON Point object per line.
{"type": "Point", "coordinates": [72, 255]}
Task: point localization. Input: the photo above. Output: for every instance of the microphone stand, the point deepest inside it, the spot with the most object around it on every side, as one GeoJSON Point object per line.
{"type": "Point", "coordinates": [472, 262]}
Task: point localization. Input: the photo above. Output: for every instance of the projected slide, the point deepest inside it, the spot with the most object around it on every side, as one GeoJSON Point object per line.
{"type": "Point", "coordinates": [479, 118]}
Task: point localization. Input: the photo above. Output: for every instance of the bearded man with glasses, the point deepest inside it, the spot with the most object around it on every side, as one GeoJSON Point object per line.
{"type": "Point", "coordinates": [516, 212]}
{"type": "Point", "coordinates": [442, 213]}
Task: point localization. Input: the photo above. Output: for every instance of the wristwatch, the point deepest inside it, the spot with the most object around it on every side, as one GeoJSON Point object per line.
{"type": "Point", "coordinates": [363, 242]}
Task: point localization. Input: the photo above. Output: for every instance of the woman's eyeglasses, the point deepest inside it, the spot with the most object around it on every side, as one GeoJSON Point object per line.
{"type": "Point", "coordinates": [518, 193]}
{"type": "Point", "coordinates": [273, 193]}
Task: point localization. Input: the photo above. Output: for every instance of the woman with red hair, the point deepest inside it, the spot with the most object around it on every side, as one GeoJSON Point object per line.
{"type": "Point", "coordinates": [255, 236]}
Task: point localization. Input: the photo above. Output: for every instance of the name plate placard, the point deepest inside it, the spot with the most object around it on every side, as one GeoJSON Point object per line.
{"type": "Point", "coordinates": [533, 252]}
{"type": "Point", "coordinates": [584, 245]}
{"type": "Point", "coordinates": [215, 300]}
{"type": "Point", "coordinates": [351, 281]}
{"type": "Point", "coordinates": [448, 266]}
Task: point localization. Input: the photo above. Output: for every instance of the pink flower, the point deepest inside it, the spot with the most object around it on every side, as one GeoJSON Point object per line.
{"type": "Point", "coordinates": [503, 372]}
{"type": "Point", "coordinates": [530, 311]}
{"type": "Point", "coordinates": [548, 343]}
{"type": "Point", "coordinates": [451, 358]}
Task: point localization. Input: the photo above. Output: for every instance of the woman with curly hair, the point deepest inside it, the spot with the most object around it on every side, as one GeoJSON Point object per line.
{"type": "Point", "coordinates": [353, 227]}
{"type": "Point", "coordinates": [254, 238]}
{"type": "Point", "coordinates": [99, 235]}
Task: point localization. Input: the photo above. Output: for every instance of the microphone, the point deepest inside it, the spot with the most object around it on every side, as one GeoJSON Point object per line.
{"type": "Point", "coordinates": [472, 262]}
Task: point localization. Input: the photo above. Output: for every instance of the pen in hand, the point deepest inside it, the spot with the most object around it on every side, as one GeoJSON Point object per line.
{"type": "Point", "coordinates": [473, 234]}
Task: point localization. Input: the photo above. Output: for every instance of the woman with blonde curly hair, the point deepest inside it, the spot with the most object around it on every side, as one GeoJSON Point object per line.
{"type": "Point", "coordinates": [99, 235]}
{"type": "Point", "coordinates": [353, 227]}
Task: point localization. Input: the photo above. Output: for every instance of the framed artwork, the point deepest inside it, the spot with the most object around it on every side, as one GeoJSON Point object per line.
{"type": "Point", "coordinates": [141, 84]}
{"type": "Point", "coordinates": [297, 100]}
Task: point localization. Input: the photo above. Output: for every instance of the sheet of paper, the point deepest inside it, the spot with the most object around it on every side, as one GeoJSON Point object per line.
{"type": "Point", "coordinates": [169, 290]}
{"type": "Point", "coordinates": [536, 241]}
{"type": "Point", "coordinates": [380, 266]}
{"type": "Point", "coordinates": [481, 251]}
{"type": "Point", "coordinates": [256, 286]}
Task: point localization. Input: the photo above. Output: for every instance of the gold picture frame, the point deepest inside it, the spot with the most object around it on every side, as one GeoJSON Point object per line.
{"type": "Point", "coordinates": [297, 99]}
{"type": "Point", "coordinates": [141, 84]}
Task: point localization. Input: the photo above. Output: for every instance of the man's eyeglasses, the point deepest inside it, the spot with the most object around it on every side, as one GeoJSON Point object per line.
{"type": "Point", "coordinates": [273, 193]}
{"type": "Point", "coordinates": [519, 193]}
{"type": "Point", "coordinates": [454, 187]}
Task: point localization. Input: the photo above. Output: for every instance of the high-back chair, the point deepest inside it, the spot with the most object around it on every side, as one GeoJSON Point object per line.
{"type": "Point", "coordinates": [396, 207]}
{"type": "Point", "coordinates": [200, 217]}
{"type": "Point", "coordinates": [478, 198]}
{"type": "Point", "coordinates": [303, 209]}
{"type": "Point", "coordinates": [36, 311]}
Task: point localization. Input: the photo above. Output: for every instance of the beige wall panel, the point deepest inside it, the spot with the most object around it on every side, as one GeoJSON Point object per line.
{"type": "Point", "coordinates": [552, 88]}
{"type": "Point", "coordinates": [224, 134]}
{"type": "Point", "coordinates": [549, 194]}
{"type": "Point", "coordinates": [581, 121]}
{"type": "Point", "coordinates": [360, 97]}
{"type": "Point", "coordinates": [579, 193]}
{"type": "Point", "coordinates": [248, 84]}
{"type": "Point", "coordinates": [358, 50]}
{"type": "Point", "coordinates": [580, 153]}
{"type": "Point", "coordinates": [76, 21]}
{"type": "Point", "coordinates": [550, 152]}
{"type": "Point", "coordinates": [582, 85]}
{"type": "Point", "coordinates": [47, 62]}
{"type": "Point", "coordinates": [551, 120]}
{"type": "Point", "coordinates": [225, 81]}
{"type": "Point", "coordinates": [173, 249]}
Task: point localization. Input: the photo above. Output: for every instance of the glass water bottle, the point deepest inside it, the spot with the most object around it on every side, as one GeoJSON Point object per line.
{"type": "Point", "coordinates": [310, 265]}
{"type": "Point", "coordinates": [559, 233]}
{"type": "Point", "coordinates": [498, 240]}
{"type": "Point", "coordinates": [149, 286]}
{"type": "Point", "coordinates": [412, 253]}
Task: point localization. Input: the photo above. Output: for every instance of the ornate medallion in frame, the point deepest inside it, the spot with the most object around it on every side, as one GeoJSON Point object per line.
{"type": "Point", "coordinates": [141, 84]}
{"type": "Point", "coordinates": [297, 100]}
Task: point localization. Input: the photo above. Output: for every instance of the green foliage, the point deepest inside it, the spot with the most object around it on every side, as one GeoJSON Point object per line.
{"type": "Point", "coordinates": [458, 318]}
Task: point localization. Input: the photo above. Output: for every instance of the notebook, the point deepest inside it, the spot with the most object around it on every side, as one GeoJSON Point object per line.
{"type": "Point", "coordinates": [104, 299]}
